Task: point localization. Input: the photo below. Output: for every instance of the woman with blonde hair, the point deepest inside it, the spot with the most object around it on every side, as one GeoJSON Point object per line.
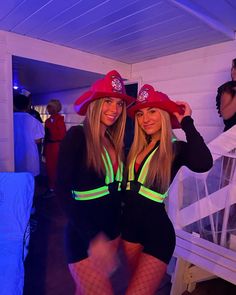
{"type": "Point", "coordinates": [153, 161]}
{"type": "Point", "coordinates": [55, 130]}
{"type": "Point", "coordinates": [90, 173]}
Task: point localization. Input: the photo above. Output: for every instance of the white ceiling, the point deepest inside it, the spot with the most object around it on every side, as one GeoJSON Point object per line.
{"type": "Point", "coordinates": [130, 31]}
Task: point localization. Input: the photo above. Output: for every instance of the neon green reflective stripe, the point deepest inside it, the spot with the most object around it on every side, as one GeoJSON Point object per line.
{"type": "Point", "coordinates": [107, 177]}
{"type": "Point", "coordinates": [131, 170]}
{"type": "Point", "coordinates": [91, 194]}
{"type": "Point", "coordinates": [108, 167]}
{"type": "Point", "coordinates": [144, 170]}
{"type": "Point", "coordinates": [148, 193]}
{"type": "Point", "coordinates": [119, 173]}
{"type": "Point", "coordinates": [152, 195]}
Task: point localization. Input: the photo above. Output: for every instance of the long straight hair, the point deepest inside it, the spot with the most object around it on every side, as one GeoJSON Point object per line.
{"type": "Point", "coordinates": [92, 128]}
{"type": "Point", "coordinates": [159, 172]}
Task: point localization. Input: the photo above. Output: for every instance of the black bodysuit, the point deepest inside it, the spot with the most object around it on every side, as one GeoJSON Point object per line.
{"type": "Point", "coordinates": [88, 217]}
{"type": "Point", "coordinates": [146, 221]}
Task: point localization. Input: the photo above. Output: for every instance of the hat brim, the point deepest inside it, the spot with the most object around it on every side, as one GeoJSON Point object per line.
{"type": "Point", "coordinates": [168, 106]}
{"type": "Point", "coordinates": [82, 103]}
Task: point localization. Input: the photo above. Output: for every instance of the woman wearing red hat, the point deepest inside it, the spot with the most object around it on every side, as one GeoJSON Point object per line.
{"type": "Point", "coordinates": [89, 180]}
{"type": "Point", "coordinates": [153, 161]}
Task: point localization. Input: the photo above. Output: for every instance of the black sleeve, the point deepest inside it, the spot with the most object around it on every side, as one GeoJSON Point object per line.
{"type": "Point", "coordinates": [194, 153]}
{"type": "Point", "coordinates": [66, 167]}
{"type": "Point", "coordinates": [71, 155]}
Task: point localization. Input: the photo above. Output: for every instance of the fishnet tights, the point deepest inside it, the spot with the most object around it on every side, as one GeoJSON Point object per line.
{"type": "Point", "coordinates": [132, 253]}
{"type": "Point", "coordinates": [88, 280]}
{"type": "Point", "coordinates": [148, 271]}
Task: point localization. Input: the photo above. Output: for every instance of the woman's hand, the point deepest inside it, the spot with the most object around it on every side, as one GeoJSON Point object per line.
{"type": "Point", "coordinates": [103, 254]}
{"type": "Point", "coordinates": [187, 111]}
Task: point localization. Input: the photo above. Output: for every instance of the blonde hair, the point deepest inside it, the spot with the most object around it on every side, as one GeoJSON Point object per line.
{"type": "Point", "coordinates": [56, 104]}
{"type": "Point", "coordinates": [93, 137]}
{"type": "Point", "coordinates": [159, 172]}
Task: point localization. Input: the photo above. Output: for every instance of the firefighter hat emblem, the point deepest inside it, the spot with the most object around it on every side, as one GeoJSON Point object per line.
{"type": "Point", "coordinates": [111, 85]}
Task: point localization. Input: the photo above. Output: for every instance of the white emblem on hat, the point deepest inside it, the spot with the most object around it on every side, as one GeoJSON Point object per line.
{"type": "Point", "coordinates": [143, 96]}
{"type": "Point", "coordinates": [116, 85]}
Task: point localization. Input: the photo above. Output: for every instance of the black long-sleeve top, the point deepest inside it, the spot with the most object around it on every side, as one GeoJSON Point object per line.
{"type": "Point", "coordinates": [144, 220]}
{"type": "Point", "coordinates": [73, 173]}
{"type": "Point", "coordinates": [193, 154]}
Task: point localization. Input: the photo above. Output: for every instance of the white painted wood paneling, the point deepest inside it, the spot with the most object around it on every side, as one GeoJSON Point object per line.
{"type": "Point", "coordinates": [48, 52]}
{"type": "Point", "coordinates": [13, 44]}
{"type": "Point", "coordinates": [193, 76]}
{"type": "Point", "coordinates": [6, 107]}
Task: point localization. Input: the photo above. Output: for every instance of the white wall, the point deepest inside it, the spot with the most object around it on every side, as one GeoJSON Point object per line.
{"type": "Point", "coordinates": [27, 47]}
{"type": "Point", "coordinates": [6, 102]}
{"type": "Point", "coordinates": [193, 76]}
{"type": "Point", "coordinates": [18, 45]}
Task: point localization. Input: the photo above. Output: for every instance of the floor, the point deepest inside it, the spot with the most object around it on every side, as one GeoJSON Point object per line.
{"type": "Point", "coordinates": [46, 272]}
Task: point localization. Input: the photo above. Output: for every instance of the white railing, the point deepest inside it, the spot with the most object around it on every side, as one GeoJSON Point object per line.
{"type": "Point", "coordinates": [203, 211]}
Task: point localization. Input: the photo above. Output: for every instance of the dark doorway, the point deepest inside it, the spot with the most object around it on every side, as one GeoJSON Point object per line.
{"type": "Point", "coordinates": [132, 90]}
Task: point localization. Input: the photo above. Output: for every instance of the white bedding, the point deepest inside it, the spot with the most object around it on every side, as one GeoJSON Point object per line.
{"type": "Point", "coordinates": [16, 196]}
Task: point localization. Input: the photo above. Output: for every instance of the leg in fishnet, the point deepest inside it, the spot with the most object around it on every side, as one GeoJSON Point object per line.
{"type": "Point", "coordinates": [103, 254]}
{"type": "Point", "coordinates": [89, 280]}
{"type": "Point", "coordinates": [132, 252]}
{"type": "Point", "coordinates": [147, 276]}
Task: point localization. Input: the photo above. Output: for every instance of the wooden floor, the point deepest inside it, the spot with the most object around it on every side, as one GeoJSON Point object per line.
{"type": "Point", "coordinates": [215, 287]}
{"type": "Point", "coordinates": [46, 271]}
{"type": "Point", "coordinates": [45, 267]}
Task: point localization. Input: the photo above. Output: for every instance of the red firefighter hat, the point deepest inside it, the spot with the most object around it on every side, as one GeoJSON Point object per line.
{"type": "Point", "coordinates": [111, 85]}
{"type": "Point", "coordinates": [148, 97]}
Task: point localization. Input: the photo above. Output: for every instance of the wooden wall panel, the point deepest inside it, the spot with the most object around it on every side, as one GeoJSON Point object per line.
{"type": "Point", "coordinates": [6, 117]}
{"type": "Point", "coordinates": [193, 76]}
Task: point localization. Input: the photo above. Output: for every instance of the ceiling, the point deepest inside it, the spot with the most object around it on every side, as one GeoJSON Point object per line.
{"type": "Point", "coordinates": [129, 31]}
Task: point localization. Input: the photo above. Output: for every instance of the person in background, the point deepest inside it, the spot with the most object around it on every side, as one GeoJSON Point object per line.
{"type": "Point", "coordinates": [89, 180]}
{"type": "Point", "coordinates": [28, 132]}
{"type": "Point", "coordinates": [226, 99]}
{"type": "Point", "coordinates": [33, 112]}
{"type": "Point", "coordinates": [55, 130]}
{"type": "Point", "coordinates": [153, 161]}
{"type": "Point", "coordinates": [226, 106]}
